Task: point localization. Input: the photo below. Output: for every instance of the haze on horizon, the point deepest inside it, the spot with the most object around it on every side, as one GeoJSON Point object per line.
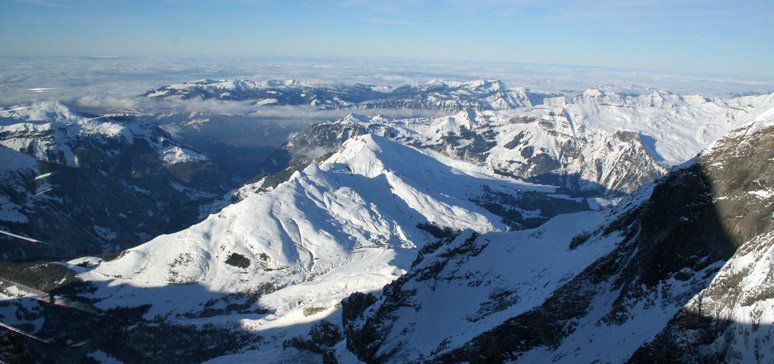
{"type": "Point", "coordinates": [716, 37]}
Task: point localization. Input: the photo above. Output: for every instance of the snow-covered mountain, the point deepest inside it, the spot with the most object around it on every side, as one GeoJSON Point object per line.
{"type": "Point", "coordinates": [283, 258]}
{"type": "Point", "coordinates": [50, 132]}
{"type": "Point", "coordinates": [363, 209]}
{"type": "Point", "coordinates": [673, 127]}
{"type": "Point", "coordinates": [107, 183]}
{"type": "Point", "coordinates": [606, 144]}
{"type": "Point", "coordinates": [434, 95]}
{"type": "Point", "coordinates": [676, 273]}
{"type": "Point", "coordinates": [542, 149]}
{"type": "Point", "coordinates": [599, 141]}
{"type": "Point", "coordinates": [485, 234]}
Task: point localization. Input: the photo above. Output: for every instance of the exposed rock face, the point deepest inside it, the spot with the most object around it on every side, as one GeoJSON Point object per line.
{"type": "Point", "coordinates": [731, 320]}
{"type": "Point", "coordinates": [680, 261]}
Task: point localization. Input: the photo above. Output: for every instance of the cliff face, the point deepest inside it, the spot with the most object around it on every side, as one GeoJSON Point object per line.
{"type": "Point", "coordinates": [731, 320]}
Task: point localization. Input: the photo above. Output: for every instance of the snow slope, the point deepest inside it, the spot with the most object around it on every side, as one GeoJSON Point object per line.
{"type": "Point", "coordinates": [676, 127]}
{"type": "Point", "coordinates": [351, 223]}
{"type": "Point", "coordinates": [365, 199]}
{"type": "Point", "coordinates": [681, 272]}
{"type": "Point", "coordinates": [283, 258]}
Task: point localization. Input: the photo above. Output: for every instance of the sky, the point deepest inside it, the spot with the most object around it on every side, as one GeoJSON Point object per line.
{"type": "Point", "coordinates": [712, 37]}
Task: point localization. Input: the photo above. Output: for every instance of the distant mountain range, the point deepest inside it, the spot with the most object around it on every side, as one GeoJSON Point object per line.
{"type": "Point", "coordinates": [436, 95]}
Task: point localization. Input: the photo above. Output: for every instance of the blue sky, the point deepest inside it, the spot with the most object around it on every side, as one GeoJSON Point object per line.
{"type": "Point", "coordinates": [725, 37]}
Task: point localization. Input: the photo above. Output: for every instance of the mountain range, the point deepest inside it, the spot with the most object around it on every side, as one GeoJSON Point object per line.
{"type": "Point", "coordinates": [516, 227]}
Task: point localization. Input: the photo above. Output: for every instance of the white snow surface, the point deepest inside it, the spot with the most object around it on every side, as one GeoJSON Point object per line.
{"type": "Point", "coordinates": [741, 293]}
{"type": "Point", "coordinates": [601, 161]}
{"type": "Point", "coordinates": [760, 118]}
{"type": "Point", "coordinates": [350, 224]}
{"type": "Point", "coordinates": [604, 138]}
{"type": "Point", "coordinates": [523, 267]}
{"type": "Point", "coordinates": [680, 126]}
{"type": "Point", "coordinates": [346, 225]}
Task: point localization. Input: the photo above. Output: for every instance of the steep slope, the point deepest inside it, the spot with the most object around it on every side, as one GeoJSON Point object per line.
{"type": "Point", "coordinates": [106, 183]}
{"type": "Point", "coordinates": [732, 320]}
{"type": "Point", "coordinates": [679, 261]}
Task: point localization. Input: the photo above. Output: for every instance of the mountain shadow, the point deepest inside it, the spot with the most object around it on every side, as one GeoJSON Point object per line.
{"type": "Point", "coordinates": [77, 328]}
